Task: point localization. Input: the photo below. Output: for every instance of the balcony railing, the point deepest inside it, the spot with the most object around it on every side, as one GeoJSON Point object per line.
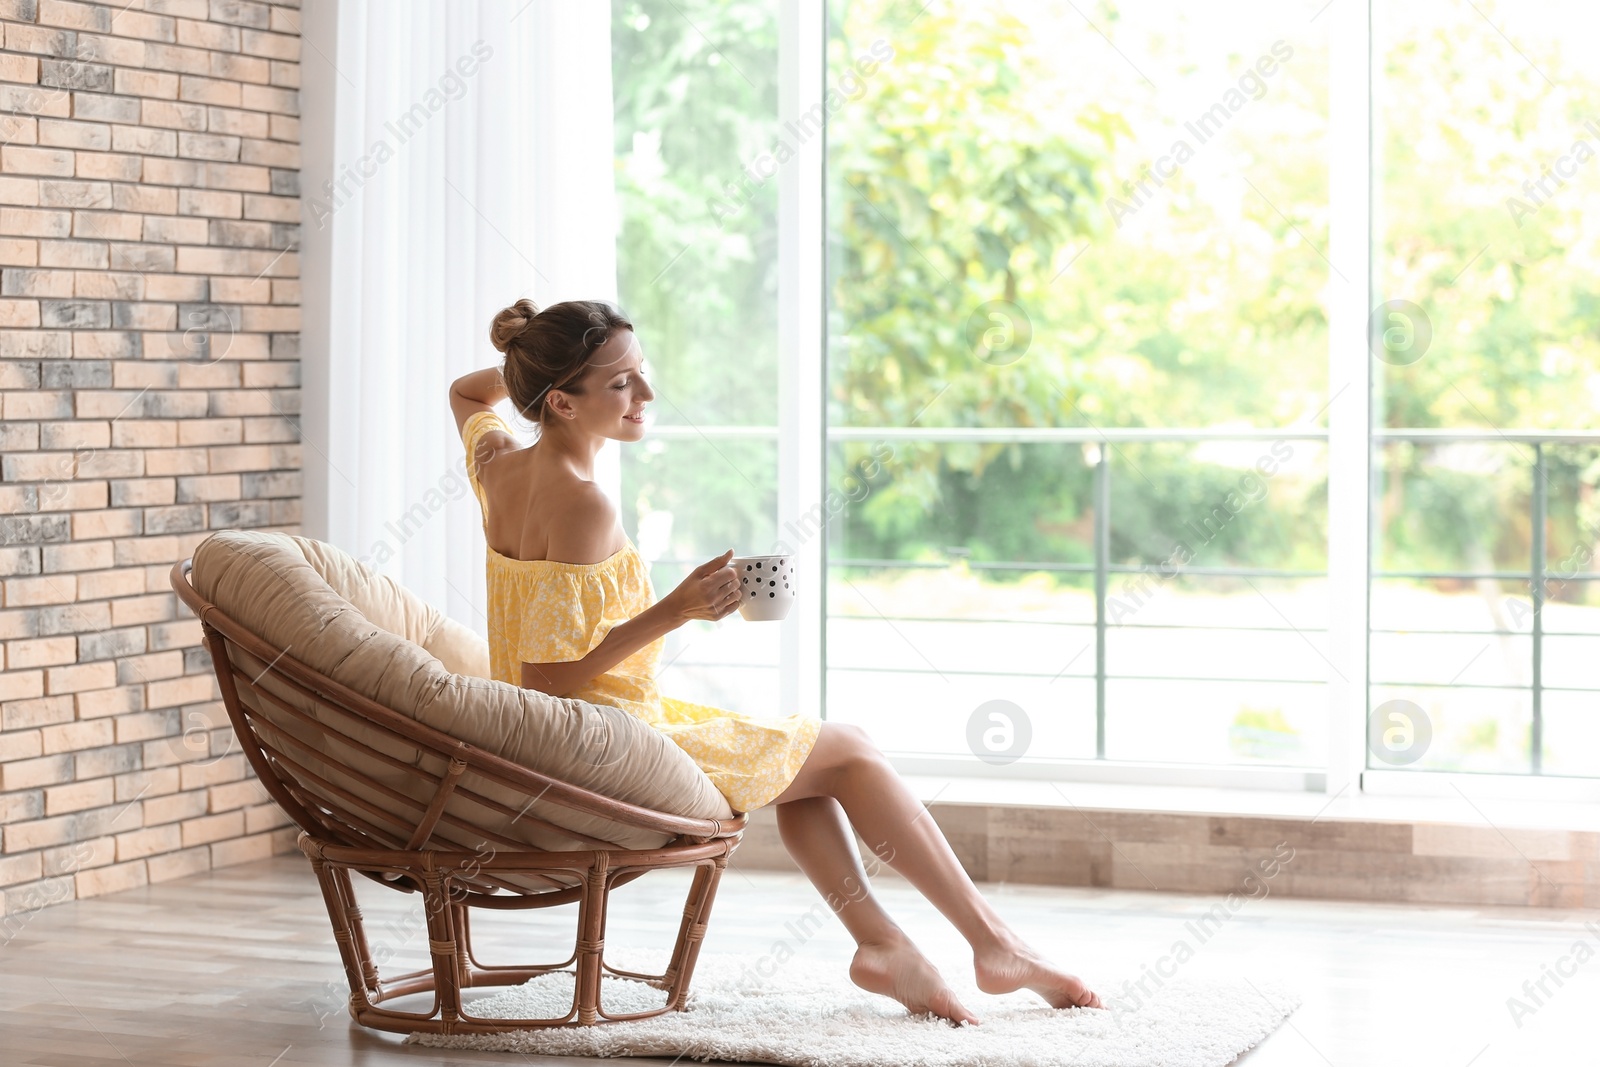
{"type": "Point", "coordinates": [1102, 445]}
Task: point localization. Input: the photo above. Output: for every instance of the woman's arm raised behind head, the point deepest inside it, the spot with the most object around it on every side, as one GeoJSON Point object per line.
{"type": "Point", "coordinates": [479, 391]}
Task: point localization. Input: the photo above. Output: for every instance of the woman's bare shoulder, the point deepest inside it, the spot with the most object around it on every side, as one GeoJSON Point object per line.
{"type": "Point", "coordinates": [588, 529]}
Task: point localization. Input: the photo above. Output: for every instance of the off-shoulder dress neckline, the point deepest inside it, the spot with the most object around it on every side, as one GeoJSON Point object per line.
{"type": "Point", "coordinates": [608, 561]}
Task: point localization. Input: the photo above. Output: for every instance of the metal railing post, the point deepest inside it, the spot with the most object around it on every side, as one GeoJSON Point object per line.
{"type": "Point", "coordinates": [1536, 575]}
{"type": "Point", "coordinates": [1102, 576]}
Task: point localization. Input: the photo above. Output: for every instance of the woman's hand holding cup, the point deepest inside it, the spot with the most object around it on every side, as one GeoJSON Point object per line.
{"type": "Point", "coordinates": [711, 591]}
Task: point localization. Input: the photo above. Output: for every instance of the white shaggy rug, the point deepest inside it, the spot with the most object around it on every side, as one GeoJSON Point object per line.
{"type": "Point", "coordinates": [809, 1015]}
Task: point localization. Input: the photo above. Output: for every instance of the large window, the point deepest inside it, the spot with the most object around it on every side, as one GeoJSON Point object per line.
{"type": "Point", "coordinates": [1083, 332]}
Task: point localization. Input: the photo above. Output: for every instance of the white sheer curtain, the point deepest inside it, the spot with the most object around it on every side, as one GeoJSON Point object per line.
{"type": "Point", "coordinates": [458, 155]}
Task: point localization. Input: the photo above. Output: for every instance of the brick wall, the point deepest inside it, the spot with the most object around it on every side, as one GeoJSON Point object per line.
{"type": "Point", "coordinates": [149, 363]}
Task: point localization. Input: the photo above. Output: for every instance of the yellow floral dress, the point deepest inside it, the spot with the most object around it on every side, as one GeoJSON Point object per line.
{"type": "Point", "coordinates": [544, 611]}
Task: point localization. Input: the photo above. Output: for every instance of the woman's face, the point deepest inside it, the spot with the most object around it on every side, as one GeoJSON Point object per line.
{"type": "Point", "coordinates": [614, 390]}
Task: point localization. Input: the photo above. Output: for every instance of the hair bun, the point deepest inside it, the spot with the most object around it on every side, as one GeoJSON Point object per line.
{"type": "Point", "coordinates": [510, 323]}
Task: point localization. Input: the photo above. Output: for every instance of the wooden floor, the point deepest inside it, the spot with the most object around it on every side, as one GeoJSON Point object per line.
{"type": "Point", "coordinates": [236, 968]}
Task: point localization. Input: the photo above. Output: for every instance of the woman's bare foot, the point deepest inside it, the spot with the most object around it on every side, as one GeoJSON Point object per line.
{"type": "Point", "coordinates": [1009, 969]}
{"type": "Point", "coordinates": [896, 969]}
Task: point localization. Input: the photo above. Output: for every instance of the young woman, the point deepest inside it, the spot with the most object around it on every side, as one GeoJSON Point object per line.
{"type": "Point", "coordinates": [572, 613]}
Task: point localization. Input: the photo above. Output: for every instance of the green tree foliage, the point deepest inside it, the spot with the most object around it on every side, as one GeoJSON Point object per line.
{"type": "Point", "coordinates": [695, 90]}
{"type": "Point", "coordinates": [968, 208]}
{"type": "Point", "coordinates": [949, 190]}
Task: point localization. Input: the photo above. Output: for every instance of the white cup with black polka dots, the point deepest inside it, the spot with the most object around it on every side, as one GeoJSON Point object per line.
{"type": "Point", "coordinates": [766, 586]}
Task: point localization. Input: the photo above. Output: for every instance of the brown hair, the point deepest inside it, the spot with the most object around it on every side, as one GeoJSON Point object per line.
{"type": "Point", "coordinates": [549, 349]}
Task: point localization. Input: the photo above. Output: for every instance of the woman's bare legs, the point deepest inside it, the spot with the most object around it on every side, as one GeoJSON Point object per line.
{"type": "Point", "coordinates": [848, 768]}
{"type": "Point", "coordinates": [817, 835]}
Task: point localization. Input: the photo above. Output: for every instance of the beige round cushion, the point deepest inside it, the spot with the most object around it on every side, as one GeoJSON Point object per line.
{"type": "Point", "coordinates": [312, 601]}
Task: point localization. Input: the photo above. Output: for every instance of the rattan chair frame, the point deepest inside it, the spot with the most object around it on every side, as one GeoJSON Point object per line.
{"type": "Point", "coordinates": [350, 834]}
